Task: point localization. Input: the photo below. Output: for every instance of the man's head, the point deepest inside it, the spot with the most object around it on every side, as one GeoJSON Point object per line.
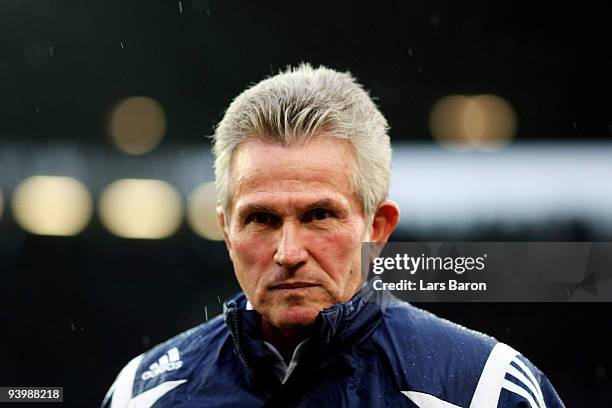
{"type": "Point", "coordinates": [302, 166]}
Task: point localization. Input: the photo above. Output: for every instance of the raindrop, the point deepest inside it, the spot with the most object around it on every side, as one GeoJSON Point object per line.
{"type": "Point", "coordinates": [206, 312]}
{"type": "Point", "coordinates": [122, 45]}
{"type": "Point", "coordinates": [180, 7]}
{"type": "Point", "coordinates": [51, 50]}
{"type": "Point", "coordinates": [410, 53]}
{"type": "Point", "coordinates": [72, 326]}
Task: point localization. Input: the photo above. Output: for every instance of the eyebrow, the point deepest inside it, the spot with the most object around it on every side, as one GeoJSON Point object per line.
{"type": "Point", "coordinates": [325, 203]}
{"type": "Point", "coordinates": [322, 203]}
{"type": "Point", "coordinates": [252, 208]}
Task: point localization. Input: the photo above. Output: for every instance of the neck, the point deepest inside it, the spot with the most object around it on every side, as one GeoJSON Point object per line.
{"type": "Point", "coordinates": [285, 341]}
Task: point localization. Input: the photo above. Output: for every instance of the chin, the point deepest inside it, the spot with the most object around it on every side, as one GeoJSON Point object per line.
{"type": "Point", "coordinates": [293, 317]}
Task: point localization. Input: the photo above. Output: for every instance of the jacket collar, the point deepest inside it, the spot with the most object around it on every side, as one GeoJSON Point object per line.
{"type": "Point", "coordinates": [338, 327]}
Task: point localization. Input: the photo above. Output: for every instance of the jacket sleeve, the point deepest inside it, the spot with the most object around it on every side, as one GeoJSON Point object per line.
{"type": "Point", "coordinates": [526, 386]}
{"type": "Point", "coordinates": [120, 393]}
{"type": "Point", "coordinates": [509, 380]}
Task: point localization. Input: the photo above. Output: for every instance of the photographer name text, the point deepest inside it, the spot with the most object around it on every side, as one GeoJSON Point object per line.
{"type": "Point", "coordinates": [421, 285]}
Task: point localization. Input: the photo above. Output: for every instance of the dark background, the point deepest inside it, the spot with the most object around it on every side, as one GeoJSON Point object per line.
{"type": "Point", "coordinates": [74, 310]}
{"type": "Point", "coordinates": [550, 60]}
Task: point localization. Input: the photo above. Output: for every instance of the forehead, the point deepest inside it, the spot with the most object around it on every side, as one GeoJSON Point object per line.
{"type": "Point", "coordinates": [321, 166]}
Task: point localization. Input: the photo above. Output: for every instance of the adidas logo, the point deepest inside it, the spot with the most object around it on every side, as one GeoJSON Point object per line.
{"type": "Point", "coordinates": [168, 362]}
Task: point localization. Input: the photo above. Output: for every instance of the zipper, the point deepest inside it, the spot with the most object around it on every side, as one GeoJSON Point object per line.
{"type": "Point", "coordinates": [234, 320]}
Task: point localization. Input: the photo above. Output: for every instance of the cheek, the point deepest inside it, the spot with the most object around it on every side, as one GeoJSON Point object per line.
{"type": "Point", "coordinates": [338, 252]}
{"type": "Point", "coordinates": [251, 256]}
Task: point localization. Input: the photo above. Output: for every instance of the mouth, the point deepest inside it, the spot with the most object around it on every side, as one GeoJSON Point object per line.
{"type": "Point", "coordinates": [294, 285]}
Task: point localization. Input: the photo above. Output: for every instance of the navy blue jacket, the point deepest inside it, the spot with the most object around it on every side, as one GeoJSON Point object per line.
{"type": "Point", "coordinates": [373, 351]}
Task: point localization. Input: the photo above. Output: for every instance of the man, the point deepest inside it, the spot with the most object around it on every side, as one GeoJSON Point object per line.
{"type": "Point", "coordinates": [302, 172]}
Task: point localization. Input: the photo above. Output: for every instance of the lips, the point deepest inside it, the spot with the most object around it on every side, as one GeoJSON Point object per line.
{"type": "Point", "coordinates": [294, 285]}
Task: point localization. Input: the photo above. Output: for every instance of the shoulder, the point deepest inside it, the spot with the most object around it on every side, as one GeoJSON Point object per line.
{"type": "Point", "coordinates": [167, 365]}
{"type": "Point", "coordinates": [436, 360]}
{"type": "Point", "coordinates": [426, 334]}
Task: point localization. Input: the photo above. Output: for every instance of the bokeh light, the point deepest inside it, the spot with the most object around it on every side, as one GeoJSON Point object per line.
{"type": "Point", "coordinates": [482, 122]}
{"type": "Point", "coordinates": [138, 208]}
{"type": "Point", "coordinates": [52, 205]}
{"type": "Point", "coordinates": [137, 125]}
{"type": "Point", "coordinates": [201, 212]}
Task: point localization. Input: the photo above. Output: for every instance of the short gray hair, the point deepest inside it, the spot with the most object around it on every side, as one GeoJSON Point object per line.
{"type": "Point", "coordinates": [301, 103]}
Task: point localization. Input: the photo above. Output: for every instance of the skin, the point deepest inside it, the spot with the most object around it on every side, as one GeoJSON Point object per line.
{"type": "Point", "coordinates": [294, 230]}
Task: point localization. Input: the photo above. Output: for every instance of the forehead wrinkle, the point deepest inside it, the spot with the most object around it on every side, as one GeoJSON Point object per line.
{"type": "Point", "coordinates": [296, 178]}
{"type": "Point", "coordinates": [338, 203]}
{"type": "Point", "coordinates": [287, 168]}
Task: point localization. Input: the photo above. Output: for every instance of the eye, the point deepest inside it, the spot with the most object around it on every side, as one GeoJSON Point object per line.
{"type": "Point", "coordinates": [319, 214]}
{"type": "Point", "coordinates": [261, 218]}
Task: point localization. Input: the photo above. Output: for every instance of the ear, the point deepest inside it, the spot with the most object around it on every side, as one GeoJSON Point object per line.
{"type": "Point", "coordinates": [385, 220]}
{"type": "Point", "coordinates": [222, 224]}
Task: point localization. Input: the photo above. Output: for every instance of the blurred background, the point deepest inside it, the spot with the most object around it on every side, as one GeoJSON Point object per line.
{"type": "Point", "coordinates": [500, 119]}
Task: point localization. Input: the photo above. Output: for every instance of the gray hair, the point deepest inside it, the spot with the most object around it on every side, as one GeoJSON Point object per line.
{"type": "Point", "coordinates": [301, 103]}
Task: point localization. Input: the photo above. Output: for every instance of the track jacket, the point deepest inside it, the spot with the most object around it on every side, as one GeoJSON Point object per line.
{"type": "Point", "coordinates": [373, 351]}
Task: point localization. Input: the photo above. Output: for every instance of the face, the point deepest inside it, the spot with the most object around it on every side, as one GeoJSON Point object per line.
{"type": "Point", "coordinates": [294, 228]}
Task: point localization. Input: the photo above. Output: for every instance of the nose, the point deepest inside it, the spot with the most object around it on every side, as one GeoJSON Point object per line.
{"type": "Point", "coordinates": [290, 252]}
